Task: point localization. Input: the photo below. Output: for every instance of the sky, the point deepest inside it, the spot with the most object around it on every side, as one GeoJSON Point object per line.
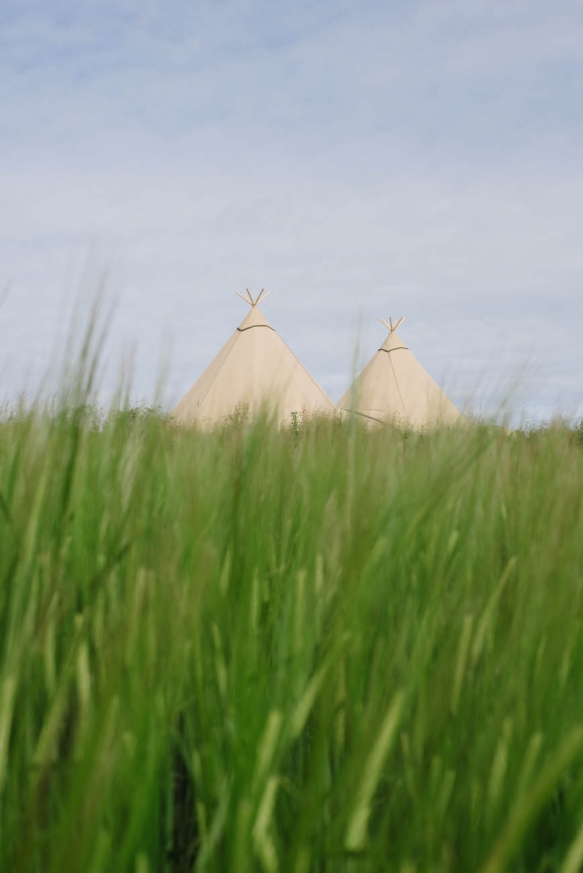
{"type": "Point", "coordinates": [360, 159]}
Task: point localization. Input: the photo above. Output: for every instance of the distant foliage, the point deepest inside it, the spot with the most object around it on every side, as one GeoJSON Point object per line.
{"type": "Point", "coordinates": [578, 432]}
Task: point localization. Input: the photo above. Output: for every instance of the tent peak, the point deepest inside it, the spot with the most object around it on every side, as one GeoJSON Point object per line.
{"type": "Point", "coordinates": [249, 298]}
{"type": "Point", "coordinates": [389, 324]}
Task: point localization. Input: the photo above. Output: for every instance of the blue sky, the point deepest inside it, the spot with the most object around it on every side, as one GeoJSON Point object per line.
{"type": "Point", "coordinates": [362, 159]}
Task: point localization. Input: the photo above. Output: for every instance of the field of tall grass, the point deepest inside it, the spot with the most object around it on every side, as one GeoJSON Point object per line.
{"type": "Point", "coordinates": [313, 649]}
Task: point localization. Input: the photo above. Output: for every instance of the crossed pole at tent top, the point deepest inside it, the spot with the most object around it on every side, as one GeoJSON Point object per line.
{"type": "Point", "coordinates": [249, 298]}
{"type": "Point", "coordinates": [389, 324]}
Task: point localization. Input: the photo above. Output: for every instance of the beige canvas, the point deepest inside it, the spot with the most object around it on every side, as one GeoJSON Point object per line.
{"type": "Point", "coordinates": [254, 370]}
{"type": "Point", "coordinates": [395, 386]}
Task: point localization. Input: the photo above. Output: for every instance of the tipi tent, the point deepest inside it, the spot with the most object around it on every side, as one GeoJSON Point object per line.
{"type": "Point", "coordinates": [254, 370]}
{"type": "Point", "coordinates": [394, 386]}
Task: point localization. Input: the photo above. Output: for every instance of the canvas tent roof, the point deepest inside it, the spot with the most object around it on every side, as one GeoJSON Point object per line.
{"type": "Point", "coordinates": [254, 370]}
{"type": "Point", "coordinates": [395, 386]}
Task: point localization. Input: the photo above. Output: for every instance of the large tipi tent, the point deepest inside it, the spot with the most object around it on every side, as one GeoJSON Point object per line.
{"type": "Point", "coordinates": [254, 370]}
{"type": "Point", "coordinates": [394, 386]}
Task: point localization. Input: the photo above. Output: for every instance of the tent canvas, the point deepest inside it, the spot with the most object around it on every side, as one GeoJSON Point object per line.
{"type": "Point", "coordinates": [395, 386]}
{"type": "Point", "coordinates": [254, 370]}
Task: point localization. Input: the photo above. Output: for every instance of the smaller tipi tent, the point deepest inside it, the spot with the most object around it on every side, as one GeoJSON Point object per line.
{"type": "Point", "coordinates": [394, 386]}
{"type": "Point", "coordinates": [254, 370]}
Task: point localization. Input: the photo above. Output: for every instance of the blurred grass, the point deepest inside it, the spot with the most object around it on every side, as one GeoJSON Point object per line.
{"type": "Point", "coordinates": [314, 649]}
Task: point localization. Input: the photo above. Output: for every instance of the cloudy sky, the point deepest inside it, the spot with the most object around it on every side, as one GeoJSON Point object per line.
{"type": "Point", "coordinates": [418, 158]}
